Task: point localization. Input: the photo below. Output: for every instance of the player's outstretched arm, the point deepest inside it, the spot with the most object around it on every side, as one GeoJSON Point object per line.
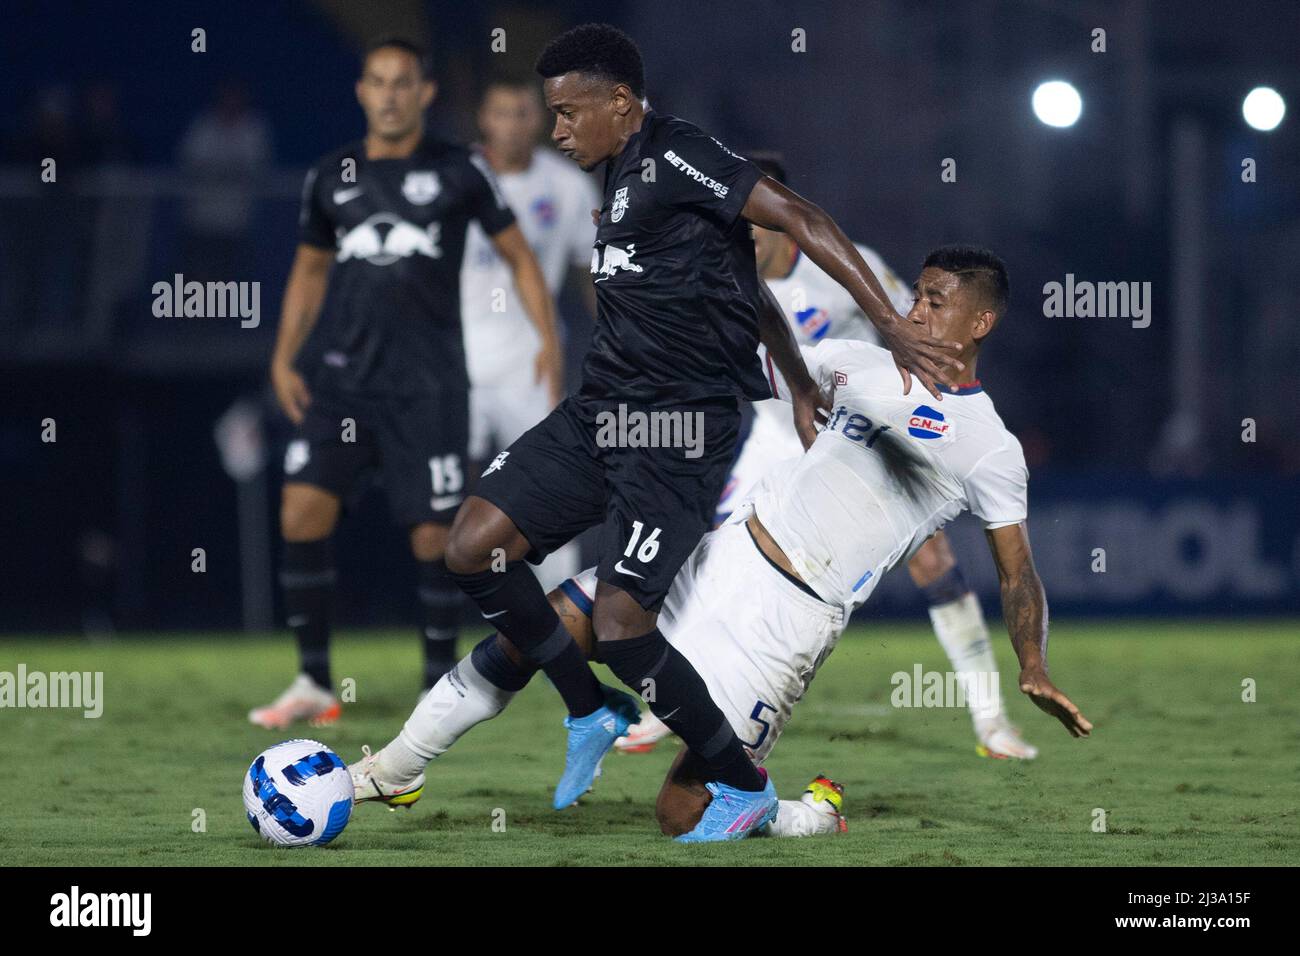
{"type": "Point", "coordinates": [773, 206]}
{"type": "Point", "coordinates": [774, 332]}
{"type": "Point", "coordinates": [303, 297]}
{"type": "Point", "coordinates": [531, 284]}
{"type": "Point", "coordinates": [1024, 606]}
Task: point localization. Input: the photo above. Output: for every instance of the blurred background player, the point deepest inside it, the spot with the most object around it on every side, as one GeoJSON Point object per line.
{"type": "Point", "coordinates": [515, 377]}
{"type": "Point", "coordinates": [383, 229]}
{"type": "Point", "coordinates": [818, 308]}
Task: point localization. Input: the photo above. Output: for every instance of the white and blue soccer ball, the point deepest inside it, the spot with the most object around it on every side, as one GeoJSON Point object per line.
{"type": "Point", "coordinates": [298, 793]}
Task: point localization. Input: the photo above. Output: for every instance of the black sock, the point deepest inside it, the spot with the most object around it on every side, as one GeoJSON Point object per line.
{"type": "Point", "coordinates": [440, 601]}
{"type": "Point", "coordinates": [516, 605]}
{"type": "Point", "coordinates": [307, 577]}
{"type": "Point", "coordinates": [497, 668]}
{"type": "Point", "coordinates": [678, 696]}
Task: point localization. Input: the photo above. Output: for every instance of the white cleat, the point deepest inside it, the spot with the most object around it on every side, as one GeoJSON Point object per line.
{"type": "Point", "coordinates": [1001, 740]}
{"type": "Point", "coordinates": [642, 736]}
{"type": "Point", "coordinates": [303, 700]}
{"type": "Point", "coordinates": [827, 797]}
{"type": "Point", "coordinates": [367, 787]}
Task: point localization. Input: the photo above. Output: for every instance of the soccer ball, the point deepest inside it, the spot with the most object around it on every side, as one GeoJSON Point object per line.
{"type": "Point", "coordinates": [298, 793]}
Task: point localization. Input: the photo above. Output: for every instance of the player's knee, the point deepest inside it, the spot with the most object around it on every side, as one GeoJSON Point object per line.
{"type": "Point", "coordinates": [469, 544]}
{"type": "Point", "coordinates": [932, 561]}
{"type": "Point", "coordinates": [428, 541]}
{"type": "Point", "coordinates": [306, 517]}
{"type": "Point", "coordinates": [617, 616]}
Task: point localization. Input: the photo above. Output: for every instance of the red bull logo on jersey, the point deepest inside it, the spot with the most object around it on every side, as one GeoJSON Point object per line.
{"type": "Point", "coordinates": [926, 422]}
{"type": "Point", "coordinates": [384, 238]}
{"type": "Point", "coordinates": [612, 261]}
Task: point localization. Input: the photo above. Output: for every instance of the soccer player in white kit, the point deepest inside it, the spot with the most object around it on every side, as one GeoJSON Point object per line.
{"type": "Point", "coordinates": [515, 376]}
{"type": "Point", "coordinates": [762, 601]}
{"type": "Point", "coordinates": [818, 309]}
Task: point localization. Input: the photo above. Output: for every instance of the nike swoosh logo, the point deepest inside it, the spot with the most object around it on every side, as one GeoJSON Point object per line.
{"type": "Point", "coordinates": [488, 617]}
{"type": "Point", "coordinates": [445, 501]}
{"type": "Point", "coordinates": [618, 566]}
{"type": "Point", "coordinates": [343, 195]}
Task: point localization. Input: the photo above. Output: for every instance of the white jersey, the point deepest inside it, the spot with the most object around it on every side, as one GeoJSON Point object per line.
{"type": "Point", "coordinates": [888, 471]}
{"type": "Point", "coordinates": [817, 308]}
{"type": "Point", "coordinates": [552, 200]}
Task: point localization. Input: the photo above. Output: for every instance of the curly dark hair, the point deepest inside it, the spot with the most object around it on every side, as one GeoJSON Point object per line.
{"type": "Point", "coordinates": [598, 49]}
{"type": "Point", "coordinates": [976, 266]}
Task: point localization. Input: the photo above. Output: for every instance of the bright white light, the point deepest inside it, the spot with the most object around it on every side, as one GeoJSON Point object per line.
{"type": "Point", "coordinates": [1263, 108]}
{"type": "Point", "coordinates": [1057, 103]}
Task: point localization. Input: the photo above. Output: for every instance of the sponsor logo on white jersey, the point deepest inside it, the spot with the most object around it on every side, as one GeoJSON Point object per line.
{"type": "Point", "coordinates": [927, 423]}
{"type": "Point", "coordinates": [614, 259]}
{"type": "Point", "coordinates": [620, 205]}
{"type": "Point", "coordinates": [421, 187]}
{"type": "Point", "coordinates": [704, 179]}
{"type": "Point", "coordinates": [384, 238]}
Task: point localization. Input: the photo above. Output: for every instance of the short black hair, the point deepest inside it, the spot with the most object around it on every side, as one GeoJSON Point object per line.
{"type": "Point", "coordinates": [770, 163]}
{"type": "Point", "coordinates": [598, 49]}
{"type": "Point", "coordinates": [417, 50]}
{"type": "Point", "coordinates": [976, 266]}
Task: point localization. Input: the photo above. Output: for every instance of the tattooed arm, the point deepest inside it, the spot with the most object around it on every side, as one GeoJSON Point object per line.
{"type": "Point", "coordinates": [1024, 607]}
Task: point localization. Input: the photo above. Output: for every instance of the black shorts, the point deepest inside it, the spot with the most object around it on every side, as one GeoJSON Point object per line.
{"type": "Point", "coordinates": [415, 446]}
{"type": "Point", "coordinates": [587, 464]}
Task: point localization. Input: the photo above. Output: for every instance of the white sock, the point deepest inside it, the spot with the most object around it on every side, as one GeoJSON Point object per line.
{"type": "Point", "coordinates": [794, 818]}
{"type": "Point", "coordinates": [959, 626]}
{"type": "Point", "coordinates": [462, 699]}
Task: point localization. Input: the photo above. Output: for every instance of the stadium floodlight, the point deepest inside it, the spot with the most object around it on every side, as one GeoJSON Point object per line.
{"type": "Point", "coordinates": [1263, 108]}
{"type": "Point", "coordinates": [1057, 103]}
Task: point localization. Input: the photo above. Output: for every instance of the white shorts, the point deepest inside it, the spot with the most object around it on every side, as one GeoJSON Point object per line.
{"type": "Point", "coordinates": [753, 635]}
{"type": "Point", "coordinates": [500, 413]}
{"type": "Point", "coordinates": [764, 448]}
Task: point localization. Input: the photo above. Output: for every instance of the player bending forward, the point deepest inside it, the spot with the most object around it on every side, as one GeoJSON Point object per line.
{"type": "Point", "coordinates": [818, 308]}
{"type": "Point", "coordinates": [761, 601]}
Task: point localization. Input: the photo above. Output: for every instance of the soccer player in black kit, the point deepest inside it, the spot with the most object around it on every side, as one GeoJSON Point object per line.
{"type": "Point", "coordinates": [679, 321]}
{"type": "Point", "coordinates": [382, 230]}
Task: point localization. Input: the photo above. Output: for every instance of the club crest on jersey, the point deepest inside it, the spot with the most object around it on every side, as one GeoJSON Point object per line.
{"type": "Point", "coordinates": [544, 211]}
{"type": "Point", "coordinates": [928, 423]}
{"type": "Point", "coordinates": [620, 204]}
{"type": "Point", "coordinates": [813, 322]}
{"type": "Point", "coordinates": [421, 188]}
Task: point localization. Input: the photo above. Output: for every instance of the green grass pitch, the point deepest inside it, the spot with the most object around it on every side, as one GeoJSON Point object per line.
{"type": "Point", "coordinates": [1186, 772]}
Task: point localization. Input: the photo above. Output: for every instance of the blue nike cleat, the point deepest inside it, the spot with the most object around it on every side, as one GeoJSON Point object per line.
{"type": "Point", "coordinates": [590, 738]}
{"type": "Point", "coordinates": [733, 814]}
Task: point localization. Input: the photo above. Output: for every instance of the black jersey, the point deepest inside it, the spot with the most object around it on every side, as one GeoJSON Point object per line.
{"type": "Point", "coordinates": [676, 283]}
{"type": "Point", "coordinates": [391, 319]}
